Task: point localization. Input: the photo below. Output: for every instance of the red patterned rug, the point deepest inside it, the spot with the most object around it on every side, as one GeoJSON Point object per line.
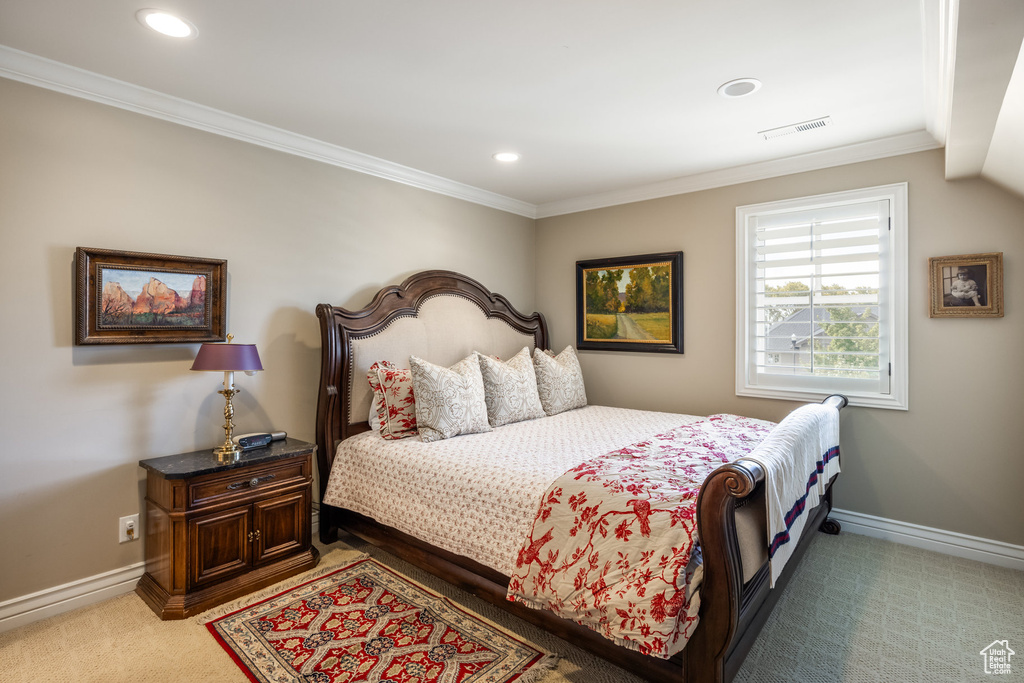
{"type": "Point", "coordinates": [364, 622]}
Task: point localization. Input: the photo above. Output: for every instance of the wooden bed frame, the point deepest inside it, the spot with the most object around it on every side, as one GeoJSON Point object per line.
{"type": "Point", "coordinates": [732, 612]}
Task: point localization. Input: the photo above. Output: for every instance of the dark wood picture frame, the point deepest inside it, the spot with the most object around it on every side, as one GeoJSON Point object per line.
{"type": "Point", "coordinates": [966, 286]}
{"type": "Point", "coordinates": [106, 313]}
{"type": "Point", "coordinates": [649, 309]}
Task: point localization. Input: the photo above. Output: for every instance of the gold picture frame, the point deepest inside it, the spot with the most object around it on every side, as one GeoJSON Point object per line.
{"type": "Point", "coordinates": [966, 286]}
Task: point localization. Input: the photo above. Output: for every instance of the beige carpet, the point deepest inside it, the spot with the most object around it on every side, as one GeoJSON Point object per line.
{"type": "Point", "coordinates": [862, 610]}
{"type": "Point", "coordinates": [858, 610]}
{"type": "Point", "coordinates": [122, 640]}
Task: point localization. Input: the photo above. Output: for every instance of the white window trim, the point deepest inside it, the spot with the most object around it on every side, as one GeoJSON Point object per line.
{"type": "Point", "coordinates": [897, 398]}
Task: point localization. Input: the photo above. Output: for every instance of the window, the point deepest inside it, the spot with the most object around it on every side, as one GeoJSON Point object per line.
{"type": "Point", "coordinates": [821, 297]}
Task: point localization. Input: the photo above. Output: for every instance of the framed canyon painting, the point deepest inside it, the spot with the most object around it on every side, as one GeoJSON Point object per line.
{"type": "Point", "coordinates": [124, 297]}
{"type": "Point", "coordinates": [630, 303]}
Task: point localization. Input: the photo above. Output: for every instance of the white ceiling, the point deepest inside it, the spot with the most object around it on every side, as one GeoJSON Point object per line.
{"type": "Point", "coordinates": [607, 101]}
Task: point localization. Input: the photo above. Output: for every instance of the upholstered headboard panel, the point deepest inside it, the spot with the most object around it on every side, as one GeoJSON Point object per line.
{"type": "Point", "coordinates": [445, 329]}
{"type": "Point", "coordinates": [438, 315]}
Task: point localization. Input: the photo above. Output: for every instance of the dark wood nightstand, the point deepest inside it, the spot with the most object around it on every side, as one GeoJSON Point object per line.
{"type": "Point", "coordinates": [217, 531]}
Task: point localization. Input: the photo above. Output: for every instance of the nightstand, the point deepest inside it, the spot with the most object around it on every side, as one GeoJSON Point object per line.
{"type": "Point", "coordinates": [217, 531]}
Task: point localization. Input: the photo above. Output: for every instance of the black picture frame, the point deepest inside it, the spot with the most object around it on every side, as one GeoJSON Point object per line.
{"type": "Point", "coordinates": [648, 296]}
{"type": "Point", "coordinates": [106, 313]}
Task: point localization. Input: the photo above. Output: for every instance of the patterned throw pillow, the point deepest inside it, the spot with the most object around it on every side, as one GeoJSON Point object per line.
{"type": "Point", "coordinates": [449, 401]}
{"type": "Point", "coordinates": [559, 380]}
{"type": "Point", "coordinates": [394, 404]}
{"type": "Point", "coordinates": [510, 389]}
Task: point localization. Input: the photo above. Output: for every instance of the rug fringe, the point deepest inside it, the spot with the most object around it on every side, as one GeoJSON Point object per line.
{"type": "Point", "coordinates": [330, 562]}
{"type": "Point", "coordinates": [539, 670]}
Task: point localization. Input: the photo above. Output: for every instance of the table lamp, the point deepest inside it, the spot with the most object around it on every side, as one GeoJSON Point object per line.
{"type": "Point", "coordinates": [228, 358]}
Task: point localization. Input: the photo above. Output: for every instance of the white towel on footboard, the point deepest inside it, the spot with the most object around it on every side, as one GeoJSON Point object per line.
{"type": "Point", "coordinates": [799, 457]}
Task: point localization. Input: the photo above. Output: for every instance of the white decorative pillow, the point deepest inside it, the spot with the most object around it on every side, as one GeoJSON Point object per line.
{"type": "Point", "coordinates": [449, 401]}
{"type": "Point", "coordinates": [559, 381]}
{"type": "Point", "coordinates": [510, 389]}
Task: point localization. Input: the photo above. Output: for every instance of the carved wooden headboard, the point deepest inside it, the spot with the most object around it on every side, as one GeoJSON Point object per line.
{"type": "Point", "coordinates": [439, 315]}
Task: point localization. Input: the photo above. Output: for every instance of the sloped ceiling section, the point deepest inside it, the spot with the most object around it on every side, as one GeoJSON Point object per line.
{"type": "Point", "coordinates": [985, 134]}
{"type": "Point", "coordinates": [1003, 164]}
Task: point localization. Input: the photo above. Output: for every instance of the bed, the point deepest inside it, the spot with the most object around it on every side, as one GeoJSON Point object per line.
{"type": "Point", "coordinates": [443, 316]}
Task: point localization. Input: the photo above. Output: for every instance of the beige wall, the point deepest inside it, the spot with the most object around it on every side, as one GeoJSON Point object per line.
{"type": "Point", "coordinates": [76, 420]}
{"type": "Point", "coordinates": [954, 461]}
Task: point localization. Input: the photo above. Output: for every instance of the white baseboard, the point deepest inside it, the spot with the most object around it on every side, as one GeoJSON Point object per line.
{"type": "Point", "coordinates": [88, 591]}
{"type": "Point", "coordinates": [946, 542]}
{"type": "Point", "coordinates": [53, 601]}
{"type": "Point", "coordinates": [81, 593]}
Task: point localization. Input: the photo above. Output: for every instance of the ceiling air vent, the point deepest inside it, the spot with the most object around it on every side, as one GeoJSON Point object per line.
{"type": "Point", "coordinates": [796, 128]}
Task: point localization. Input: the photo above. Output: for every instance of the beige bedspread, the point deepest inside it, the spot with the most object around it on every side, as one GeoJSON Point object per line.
{"type": "Point", "coordinates": [477, 495]}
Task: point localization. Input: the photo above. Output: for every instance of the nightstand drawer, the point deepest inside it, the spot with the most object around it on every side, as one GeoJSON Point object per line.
{"type": "Point", "coordinates": [218, 488]}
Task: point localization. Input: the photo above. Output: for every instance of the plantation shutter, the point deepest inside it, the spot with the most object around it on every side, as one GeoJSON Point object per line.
{"type": "Point", "coordinates": [818, 305]}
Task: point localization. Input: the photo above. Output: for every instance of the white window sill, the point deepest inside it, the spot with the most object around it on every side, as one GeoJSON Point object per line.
{"type": "Point", "coordinates": [855, 399]}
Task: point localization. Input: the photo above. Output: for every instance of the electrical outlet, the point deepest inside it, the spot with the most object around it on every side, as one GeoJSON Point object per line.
{"type": "Point", "coordinates": [128, 529]}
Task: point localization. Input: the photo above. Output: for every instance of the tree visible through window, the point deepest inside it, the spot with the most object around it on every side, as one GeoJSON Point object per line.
{"type": "Point", "coordinates": [842, 338]}
{"type": "Point", "coordinates": [821, 297]}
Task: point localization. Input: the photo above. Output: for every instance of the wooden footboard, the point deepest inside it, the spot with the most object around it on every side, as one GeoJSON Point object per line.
{"type": "Point", "coordinates": [731, 613]}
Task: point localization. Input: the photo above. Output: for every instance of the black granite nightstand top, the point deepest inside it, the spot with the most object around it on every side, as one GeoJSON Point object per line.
{"type": "Point", "coordinates": [185, 465]}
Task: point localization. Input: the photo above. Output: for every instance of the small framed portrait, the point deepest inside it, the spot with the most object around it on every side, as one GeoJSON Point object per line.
{"type": "Point", "coordinates": [967, 286]}
{"type": "Point", "coordinates": [630, 303]}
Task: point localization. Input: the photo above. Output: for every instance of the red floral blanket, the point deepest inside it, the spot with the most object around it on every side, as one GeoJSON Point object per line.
{"type": "Point", "coordinates": [612, 540]}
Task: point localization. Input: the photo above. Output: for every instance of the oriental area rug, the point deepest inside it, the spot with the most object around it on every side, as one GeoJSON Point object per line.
{"type": "Point", "coordinates": [364, 622]}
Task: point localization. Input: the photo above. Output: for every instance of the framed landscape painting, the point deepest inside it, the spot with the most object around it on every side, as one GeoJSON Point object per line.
{"type": "Point", "coordinates": [124, 297]}
{"type": "Point", "coordinates": [967, 286]}
{"type": "Point", "coordinates": [630, 303]}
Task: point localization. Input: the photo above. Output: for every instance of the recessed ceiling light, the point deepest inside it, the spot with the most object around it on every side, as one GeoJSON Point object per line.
{"type": "Point", "coordinates": [739, 87]}
{"type": "Point", "coordinates": [507, 157]}
{"type": "Point", "coordinates": [166, 23]}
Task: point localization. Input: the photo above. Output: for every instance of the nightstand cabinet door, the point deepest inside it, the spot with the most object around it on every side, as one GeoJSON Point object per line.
{"type": "Point", "coordinates": [281, 525]}
{"type": "Point", "coordinates": [220, 546]}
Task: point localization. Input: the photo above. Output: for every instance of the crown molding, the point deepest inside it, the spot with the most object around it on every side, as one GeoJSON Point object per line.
{"type": "Point", "coordinates": [46, 73]}
{"type": "Point", "coordinates": [908, 143]}
{"type": "Point", "coordinates": [51, 75]}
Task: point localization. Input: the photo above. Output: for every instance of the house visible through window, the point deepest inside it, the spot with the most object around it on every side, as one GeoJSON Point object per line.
{"type": "Point", "coordinates": [821, 297]}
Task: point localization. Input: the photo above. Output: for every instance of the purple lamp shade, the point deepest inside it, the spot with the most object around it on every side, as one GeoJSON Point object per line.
{"type": "Point", "coordinates": [227, 358]}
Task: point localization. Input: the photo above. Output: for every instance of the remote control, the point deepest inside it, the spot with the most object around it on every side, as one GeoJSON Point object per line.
{"type": "Point", "coordinates": [247, 442]}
